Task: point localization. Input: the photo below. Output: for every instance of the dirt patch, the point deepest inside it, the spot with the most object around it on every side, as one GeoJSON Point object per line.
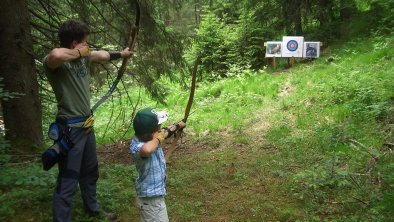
{"type": "Point", "coordinates": [115, 153]}
{"type": "Point", "coordinates": [215, 218]}
{"type": "Point", "coordinates": [119, 153]}
{"type": "Point", "coordinates": [286, 90]}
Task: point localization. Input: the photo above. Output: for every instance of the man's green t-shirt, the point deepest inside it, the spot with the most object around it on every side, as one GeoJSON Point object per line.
{"type": "Point", "coordinates": [70, 82]}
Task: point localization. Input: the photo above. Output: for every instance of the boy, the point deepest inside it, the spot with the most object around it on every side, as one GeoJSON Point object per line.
{"type": "Point", "coordinates": [150, 163]}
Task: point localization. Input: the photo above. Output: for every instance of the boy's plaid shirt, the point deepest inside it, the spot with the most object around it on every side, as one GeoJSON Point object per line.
{"type": "Point", "coordinates": [151, 170]}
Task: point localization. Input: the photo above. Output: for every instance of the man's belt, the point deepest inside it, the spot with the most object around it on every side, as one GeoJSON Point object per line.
{"type": "Point", "coordinates": [84, 122]}
{"type": "Point", "coordinates": [76, 120]}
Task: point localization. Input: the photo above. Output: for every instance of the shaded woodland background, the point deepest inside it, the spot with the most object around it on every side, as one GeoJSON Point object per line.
{"type": "Point", "coordinates": [311, 142]}
{"type": "Point", "coordinates": [228, 36]}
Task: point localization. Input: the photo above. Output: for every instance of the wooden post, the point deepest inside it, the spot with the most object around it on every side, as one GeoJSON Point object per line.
{"type": "Point", "coordinates": [321, 45]}
{"type": "Point", "coordinates": [274, 63]}
{"type": "Point", "coordinates": [265, 45]}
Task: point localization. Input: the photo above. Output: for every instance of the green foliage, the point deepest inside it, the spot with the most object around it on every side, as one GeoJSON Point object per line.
{"type": "Point", "coordinates": [339, 114]}
{"type": "Point", "coordinates": [5, 144]}
{"type": "Point", "coordinates": [215, 44]}
{"type": "Point", "coordinates": [228, 41]}
{"type": "Point", "coordinates": [222, 97]}
{"type": "Point", "coordinates": [383, 12]}
{"type": "Point", "coordinates": [387, 169]}
{"type": "Point", "coordinates": [5, 94]}
{"type": "Point", "coordinates": [116, 190]}
{"type": "Point", "coordinates": [306, 144]}
{"type": "Point", "coordinates": [232, 33]}
{"type": "Point", "coordinates": [25, 188]}
{"type": "Point", "coordinates": [33, 176]}
{"type": "Point", "coordinates": [251, 34]}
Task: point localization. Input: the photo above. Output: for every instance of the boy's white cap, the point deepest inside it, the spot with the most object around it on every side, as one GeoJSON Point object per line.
{"type": "Point", "coordinates": [162, 116]}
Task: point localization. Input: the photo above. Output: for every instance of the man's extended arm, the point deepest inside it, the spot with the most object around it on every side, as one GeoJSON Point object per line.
{"type": "Point", "coordinates": [60, 55]}
{"type": "Point", "coordinates": [105, 56]}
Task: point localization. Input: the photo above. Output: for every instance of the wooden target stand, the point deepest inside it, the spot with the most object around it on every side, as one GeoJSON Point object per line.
{"type": "Point", "coordinates": [290, 60]}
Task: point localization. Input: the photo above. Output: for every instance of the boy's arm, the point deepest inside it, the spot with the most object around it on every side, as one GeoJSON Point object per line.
{"type": "Point", "coordinates": [158, 138]}
{"type": "Point", "coordinates": [149, 147]}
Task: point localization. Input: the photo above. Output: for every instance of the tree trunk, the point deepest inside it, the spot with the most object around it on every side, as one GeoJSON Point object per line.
{"type": "Point", "coordinates": [292, 16]}
{"type": "Point", "coordinates": [297, 18]}
{"type": "Point", "coordinates": [22, 115]}
{"type": "Point", "coordinates": [166, 13]}
{"type": "Point", "coordinates": [286, 18]}
{"type": "Point", "coordinates": [347, 9]}
{"type": "Point", "coordinates": [324, 12]}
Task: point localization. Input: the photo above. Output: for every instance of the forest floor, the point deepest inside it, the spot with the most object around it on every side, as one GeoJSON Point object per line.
{"type": "Point", "coordinates": [223, 177]}
{"type": "Point", "coordinates": [270, 146]}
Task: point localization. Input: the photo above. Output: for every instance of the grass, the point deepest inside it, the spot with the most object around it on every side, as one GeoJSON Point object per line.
{"type": "Point", "coordinates": [333, 104]}
{"type": "Point", "coordinates": [303, 144]}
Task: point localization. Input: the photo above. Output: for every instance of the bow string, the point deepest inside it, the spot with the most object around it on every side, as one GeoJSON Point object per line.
{"type": "Point", "coordinates": [122, 69]}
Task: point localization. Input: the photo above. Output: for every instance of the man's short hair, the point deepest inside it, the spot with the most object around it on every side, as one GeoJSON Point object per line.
{"type": "Point", "coordinates": [72, 30]}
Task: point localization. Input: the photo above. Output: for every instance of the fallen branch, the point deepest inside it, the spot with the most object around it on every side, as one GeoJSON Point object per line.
{"type": "Point", "coordinates": [17, 164]}
{"type": "Point", "coordinates": [362, 201]}
{"type": "Point", "coordinates": [105, 151]}
{"type": "Point", "coordinates": [358, 143]}
{"type": "Point", "coordinates": [33, 154]}
{"type": "Point", "coordinates": [365, 147]}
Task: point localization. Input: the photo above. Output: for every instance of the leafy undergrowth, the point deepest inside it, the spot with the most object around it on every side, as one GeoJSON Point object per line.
{"type": "Point", "coordinates": [311, 143]}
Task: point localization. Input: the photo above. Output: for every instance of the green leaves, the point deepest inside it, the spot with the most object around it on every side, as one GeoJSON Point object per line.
{"type": "Point", "coordinates": [6, 95]}
{"type": "Point", "coordinates": [27, 177]}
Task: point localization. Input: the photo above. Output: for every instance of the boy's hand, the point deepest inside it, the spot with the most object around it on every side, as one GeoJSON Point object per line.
{"type": "Point", "coordinates": [160, 135]}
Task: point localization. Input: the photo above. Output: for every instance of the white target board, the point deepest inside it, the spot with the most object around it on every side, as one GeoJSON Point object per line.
{"type": "Point", "coordinates": [292, 46]}
{"type": "Point", "coordinates": [311, 49]}
{"type": "Point", "coordinates": [273, 49]}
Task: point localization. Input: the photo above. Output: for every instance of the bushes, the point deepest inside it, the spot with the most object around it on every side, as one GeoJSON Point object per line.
{"type": "Point", "coordinates": [228, 42]}
{"type": "Point", "coordinates": [4, 144]}
{"type": "Point", "coordinates": [215, 44]}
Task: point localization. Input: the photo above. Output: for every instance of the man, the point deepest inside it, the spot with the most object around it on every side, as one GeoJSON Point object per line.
{"type": "Point", "coordinates": [67, 69]}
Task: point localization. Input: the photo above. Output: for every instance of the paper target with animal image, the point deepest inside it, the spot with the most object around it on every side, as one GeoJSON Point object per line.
{"type": "Point", "coordinates": [311, 49]}
{"type": "Point", "coordinates": [292, 46]}
{"type": "Point", "coordinates": [273, 49]}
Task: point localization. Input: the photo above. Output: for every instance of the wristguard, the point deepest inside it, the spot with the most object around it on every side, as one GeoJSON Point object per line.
{"type": "Point", "coordinates": [169, 132]}
{"type": "Point", "coordinates": [114, 55]}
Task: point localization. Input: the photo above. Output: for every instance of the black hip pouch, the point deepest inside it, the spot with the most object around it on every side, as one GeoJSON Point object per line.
{"type": "Point", "coordinates": [60, 134]}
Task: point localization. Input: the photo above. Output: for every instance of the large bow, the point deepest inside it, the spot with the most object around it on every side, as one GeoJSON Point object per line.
{"type": "Point", "coordinates": [187, 111]}
{"type": "Point", "coordinates": [122, 69]}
